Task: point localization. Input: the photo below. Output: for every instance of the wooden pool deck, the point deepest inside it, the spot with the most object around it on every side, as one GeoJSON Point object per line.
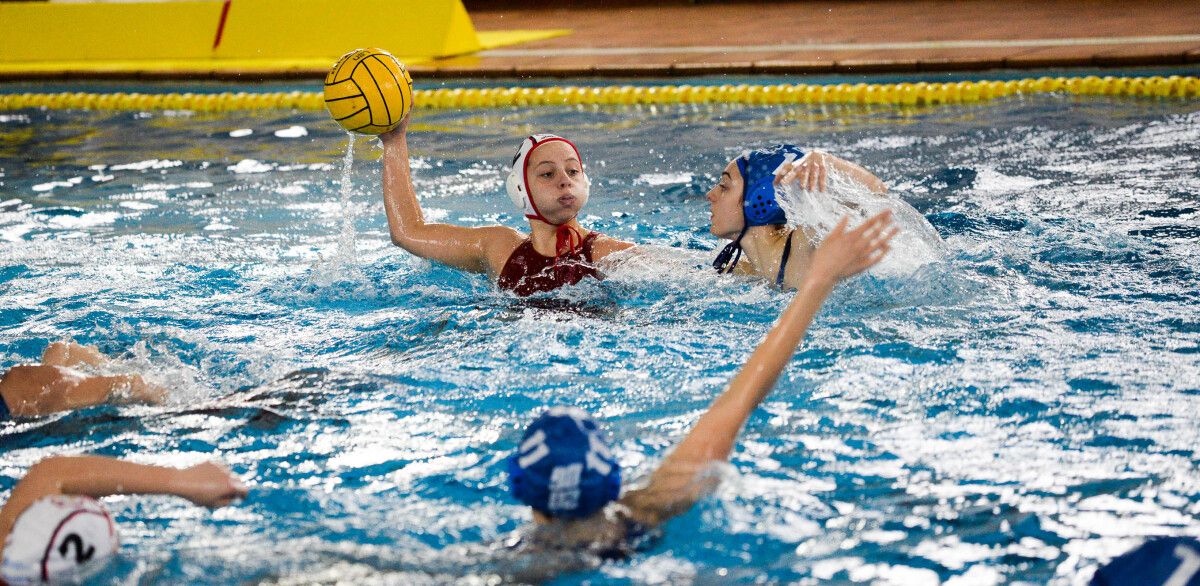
{"type": "Point", "coordinates": [678, 37]}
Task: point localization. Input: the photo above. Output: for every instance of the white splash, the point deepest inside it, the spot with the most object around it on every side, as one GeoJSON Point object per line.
{"type": "Point", "coordinates": [53, 184]}
{"type": "Point", "coordinates": [988, 180]}
{"type": "Point", "coordinates": [292, 132]}
{"type": "Point", "coordinates": [147, 164]}
{"type": "Point", "coordinates": [343, 265]}
{"type": "Point", "coordinates": [84, 221]}
{"type": "Point", "coordinates": [917, 243]}
{"type": "Point", "coordinates": [663, 178]}
{"type": "Point", "coordinates": [249, 166]}
{"type": "Point", "coordinates": [294, 189]}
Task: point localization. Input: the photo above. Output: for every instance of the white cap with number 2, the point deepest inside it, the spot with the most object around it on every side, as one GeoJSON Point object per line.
{"type": "Point", "coordinates": [59, 539]}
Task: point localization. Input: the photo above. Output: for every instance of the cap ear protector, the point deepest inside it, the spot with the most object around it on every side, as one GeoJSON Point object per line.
{"type": "Point", "coordinates": [517, 183]}
{"type": "Point", "coordinates": [516, 190]}
{"type": "Point", "coordinates": [759, 169]}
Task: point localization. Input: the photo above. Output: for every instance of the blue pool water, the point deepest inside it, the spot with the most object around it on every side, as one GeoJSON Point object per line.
{"type": "Point", "coordinates": [1018, 413]}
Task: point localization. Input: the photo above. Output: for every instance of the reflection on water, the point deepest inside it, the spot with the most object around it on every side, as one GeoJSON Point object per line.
{"type": "Point", "coordinates": [1021, 409]}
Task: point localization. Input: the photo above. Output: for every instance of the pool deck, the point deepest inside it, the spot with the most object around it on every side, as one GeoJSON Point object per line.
{"type": "Point", "coordinates": [683, 38]}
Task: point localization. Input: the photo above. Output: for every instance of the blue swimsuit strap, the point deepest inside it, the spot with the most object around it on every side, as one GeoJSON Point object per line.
{"type": "Point", "coordinates": [787, 251]}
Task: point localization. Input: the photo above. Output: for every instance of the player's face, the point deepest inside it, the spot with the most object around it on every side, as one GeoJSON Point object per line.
{"type": "Point", "coordinates": [556, 181]}
{"type": "Point", "coordinates": [725, 204]}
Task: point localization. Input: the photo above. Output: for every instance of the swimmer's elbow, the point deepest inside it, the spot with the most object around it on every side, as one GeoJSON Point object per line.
{"type": "Point", "coordinates": [403, 238]}
{"type": "Point", "coordinates": [408, 233]}
{"type": "Point", "coordinates": [408, 244]}
{"type": "Point", "coordinates": [412, 245]}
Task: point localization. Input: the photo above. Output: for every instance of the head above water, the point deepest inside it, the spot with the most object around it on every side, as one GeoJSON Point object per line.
{"type": "Point", "coordinates": [547, 181]}
{"type": "Point", "coordinates": [563, 467]}
{"type": "Point", "coordinates": [748, 185]}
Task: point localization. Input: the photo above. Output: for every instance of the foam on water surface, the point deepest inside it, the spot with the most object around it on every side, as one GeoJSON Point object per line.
{"type": "Point", "coordinates": [1015, 402]}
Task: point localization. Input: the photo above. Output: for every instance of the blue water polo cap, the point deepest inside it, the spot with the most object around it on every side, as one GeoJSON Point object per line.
{"type": "Point", "coordinates": [1169, 560]}
{"type": "Point", "coordinates": [759, 207]}
{"type": "Point", "coordinates": [758, 169]}
{"type": "Point", "coordinates": [563, 467]}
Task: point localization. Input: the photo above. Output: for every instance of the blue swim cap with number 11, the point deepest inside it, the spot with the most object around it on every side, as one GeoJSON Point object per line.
{"type": "Point", "coordinates": [563, 467]}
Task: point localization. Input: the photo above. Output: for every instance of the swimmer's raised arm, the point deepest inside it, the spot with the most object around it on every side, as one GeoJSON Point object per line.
{"type": "Point", "coordinates": [680, 479]}
{"type": "Point", "coordinates": [811, 172]}
{"type": "Point", "coordinates": [483, 249]}
{"type": "Point", "coordinates": [208, 484]}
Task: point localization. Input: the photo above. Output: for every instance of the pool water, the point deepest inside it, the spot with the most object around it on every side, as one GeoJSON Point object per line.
{"type": "Point", "coordinates": [1018, 413]}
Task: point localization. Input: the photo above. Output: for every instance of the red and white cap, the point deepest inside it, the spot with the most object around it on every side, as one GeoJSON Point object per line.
{"type": "Point", "coordinates": [518, 177]}
{"type": "Point", "coordinates": [59, 539]}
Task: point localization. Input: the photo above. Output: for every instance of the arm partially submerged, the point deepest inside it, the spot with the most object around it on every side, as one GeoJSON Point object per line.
{"type": "Point", "coordinates": [31, 390]}
{"type": "Point", "coordinates": [679, 481]}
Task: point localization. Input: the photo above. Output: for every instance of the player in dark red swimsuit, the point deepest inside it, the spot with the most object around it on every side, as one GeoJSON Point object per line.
{"type": "Point", "coordinates": [547, 183]}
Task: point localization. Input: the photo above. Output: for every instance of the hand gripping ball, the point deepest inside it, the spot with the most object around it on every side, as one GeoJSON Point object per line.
{"type": "Point", "coordinates": [368, 91]}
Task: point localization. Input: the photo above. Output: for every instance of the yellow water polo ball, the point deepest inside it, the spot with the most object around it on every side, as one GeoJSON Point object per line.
{"type": "Point", "coordinates": [368, 91]}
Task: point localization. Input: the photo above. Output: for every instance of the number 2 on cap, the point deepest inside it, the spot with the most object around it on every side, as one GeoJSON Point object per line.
{"type": "Point", "coordinates": [81, 555]}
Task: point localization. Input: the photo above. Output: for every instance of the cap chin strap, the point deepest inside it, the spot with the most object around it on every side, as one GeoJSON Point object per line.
{"type": "Point", "coordinates": [733, 250]}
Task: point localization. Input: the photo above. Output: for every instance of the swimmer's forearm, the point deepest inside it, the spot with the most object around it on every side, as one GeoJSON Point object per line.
{"type": "Point", "coordinates": [675, 485]}
{"type": "Point", "coordinates": [92, 476]}
{"type": "Point", "coordinates": [756, 379]}
{"type": "Point", "coordinates": [716, 432]}
{"type": "Point", "coordinates": [859, 174]}
{"type": "Point", "coordinates": [96, 390]}
{"type": "Point", "coordinates": [97, 476]}
{"type": "Point", "coordinates": [458, 246]}
{"type": "Point", "coordinates": [399, 198]}
{"type": "Point", "coordinates": [67, 390]}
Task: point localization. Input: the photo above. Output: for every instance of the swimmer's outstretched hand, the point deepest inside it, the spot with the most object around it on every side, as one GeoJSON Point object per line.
{"type": "Point", "coordinates": [845, 253]}
{"type": "Point", "coordinates": [209, 485]}
{"type": "Point", "coordinates": [811, 173]}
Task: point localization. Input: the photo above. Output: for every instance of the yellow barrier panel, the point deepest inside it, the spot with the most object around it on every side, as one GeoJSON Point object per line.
{"type": "Point", "coordinates": [901, 94]}
{"type": "Point", "coordinates": [296, 29]}
{"type": "Point", "coordinates": [200, 37]}
{"type": "Point", "coordinates": [49, 32]}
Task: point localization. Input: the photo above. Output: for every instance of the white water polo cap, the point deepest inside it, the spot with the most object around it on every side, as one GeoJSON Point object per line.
{"type": "Point", "coordinates": [517, 183]}
{"type": "Point", "coordinates": [60, 539]}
